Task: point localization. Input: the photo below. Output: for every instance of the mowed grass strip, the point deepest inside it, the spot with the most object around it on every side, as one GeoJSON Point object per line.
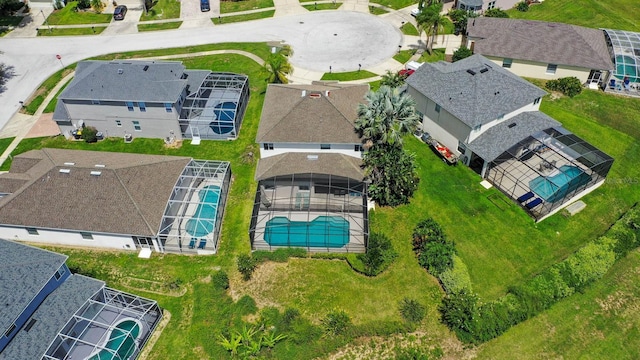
{"type": "Point", "coordinates": [161, 26]}
{"type": "Point", "coordinates": [69, 16]}
{"type": "Point", "coordinates": [244, 17]}
{"type": "Point", "coordinates": [349, 75]}
{"type": "Point", "coordinates": [97, 30]}
{"type": "Point", "coordinates": [235, 6]}
{"type": "Point", "coordinates": [164, 9]}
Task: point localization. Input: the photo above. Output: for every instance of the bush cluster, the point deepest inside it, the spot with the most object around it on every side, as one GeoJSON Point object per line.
{"type": "Point", "coordinates": [569, 86]}
{"type": "Point", "coordinates": [220, 280]}
{"type": "Point", "coordinates": [380, 254]}
{"type": "Point", "coordinates": [336, 322]}
{"type": "Point", "coordinates": [246, 265]}
{"type": "Point", "coordinates": [411, 310]}
{"type": "Point", "coordinates": [435, 252]}
{"type": "Point", "coordinates": [457, 278]}
{"type": "Point", "coordinates": [462, 53]}
{"type": "Point", "coordinates": [522, 6]}
{"type": "Point", "coordinates": [476, 322]}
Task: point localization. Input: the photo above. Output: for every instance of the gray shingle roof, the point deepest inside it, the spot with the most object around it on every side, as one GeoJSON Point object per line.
{"type": "Point", "coordinates": [540, 41]}
{"type": "Point", "coordinates": [128, 197]}
{"type": "Point", "coordinates": [24, 270]}
{"type": "Point", "coordinates": [300, 163]}
{"type": "Point", "coordinates": [50, 317]}
{"type": "Point", "coordinates": [474, 89]}
{"type": "Point", "coordinates": [499, 138]}
{"type": "Point", "coordinates": [305, 114]}
{"type": "Point", "coordinates": [102, 80]}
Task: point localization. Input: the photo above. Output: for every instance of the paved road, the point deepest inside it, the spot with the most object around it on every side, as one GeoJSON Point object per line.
{"type": "Point", "coordinates": [340, 39]}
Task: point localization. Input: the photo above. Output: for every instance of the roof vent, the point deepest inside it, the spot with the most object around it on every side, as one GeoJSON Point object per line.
{"type": "Point", "coordinates": [69, 163]}
{"type": "Point", "coordinates": [315, 95]}
{"type": "Point", "coordinates": [100, 165]}
{"type": "Point", "coordinates": [65, 171]}
{"type": "Point", "coordinates": [312, 157]}
{"type": "Point", "coordinates": [327, 93]}
{"type": "Point", "coordinates": [471, 72]}
{"type": "Point", "coordinates": [512, 125]}
{"type": "Point", "coordinates": [120, 71]}
{"type": "Point", "coordinates": [96, 173]}
{"type": "Point", "coordinates": [304, 93]}
{"type": "Point", "coordinates": [483, 70]}
{"type": "Point", "coordinates": [145, 68]}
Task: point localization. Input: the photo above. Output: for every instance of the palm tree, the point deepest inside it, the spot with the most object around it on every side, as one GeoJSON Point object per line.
{"type": "Point", "coordinates": [392, 79]}
{"type": "Point", "coordinates": [432, 21]}
{"type": "Point", "coordinates": [278, 67]}
{"type": "Point", "coordinates": [386, 118]}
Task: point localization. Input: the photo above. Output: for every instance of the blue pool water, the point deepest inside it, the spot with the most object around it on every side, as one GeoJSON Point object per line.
{"type": "Point", "coordinates": [323, 231]}
{"type": "Point", "coordinates": [122, 340]}
{"type": "Point", "coordinates": [203, 221]}
{"type": "Point", "coordinates": [225, 114]}
{"type": "Point", "coordinates": [555, 188]}
{"type": "Point", "coordinates": [628, 68]}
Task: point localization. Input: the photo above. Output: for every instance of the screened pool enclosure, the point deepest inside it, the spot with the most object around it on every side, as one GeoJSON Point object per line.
{"type": "Point", "coordinates": [624, 47]}
{"type": "Point", "coordinates": [317, 212]}
{"type": "Point", "coordinates": [548, 170]}
{"type": "Point", "coordinates": [215, 110]}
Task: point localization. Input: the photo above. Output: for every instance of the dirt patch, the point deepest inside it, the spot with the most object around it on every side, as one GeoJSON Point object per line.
{"type": "Point", "coordinates": [260, 283]}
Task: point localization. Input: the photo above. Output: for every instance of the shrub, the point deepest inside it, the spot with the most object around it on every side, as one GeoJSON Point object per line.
{"type": "Point", "coordinates": [569, 86]}
{"type": "Point", "coordinates": [246, 306]}
{"type": "Point", "coordinates": [457, 278]}
{"type": "Point", "coordinates": [289, 316]}
{"type": "Point", "coordinates": [496, 13]}
{"type": "Point", "coordinates": [411, 310]}
{"type": "Point", "coordinates": [84, 4]}
{"type": "Point", "coordinates": [379, 254]}
{"type": "Point", "coordinates": [246, 265]}
{"type": "Point", "coordinates": [457, 311]}
{"type": "Point", "coordinates": [632, 219]}
{"type": "Point", "coordinates": [522, 6]}
{"type": "Point", "coordinates": [220, 280]}
{"type": "Point", "coordinates": [437, 257]}
{"type": "Point", "coordinates": [462, 53]}
{"type": "Point", "coordinates": [89, 134]}
{"type": "Point", "coordinates": [337, 322]}
{"type": "Point", "coordinates": [428, 230]}
{"type": "Point", "coordinates": [97, 5]}
{"type": "Point", "coordinates": [588, 264]}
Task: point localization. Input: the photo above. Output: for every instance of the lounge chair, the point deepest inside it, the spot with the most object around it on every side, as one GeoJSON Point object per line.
{"type": "Point", "coordinates": [533, 203]}
{"type": "Point", "coordinates": [192, 243]}
{"type": "Point", "coordinates": [202, 244]}
{"type": "Point", "coordinates": [525, 197]}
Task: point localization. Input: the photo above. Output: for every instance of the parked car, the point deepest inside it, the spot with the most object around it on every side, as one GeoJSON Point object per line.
{"type": "Point", "coordinates": [406, 72]}
{"type": "Point", "coordinates": [204, 5]}
{"type": "Point", "coordinates": [119, 12]}
{"type": "Point", "coordinates": [415, 12]}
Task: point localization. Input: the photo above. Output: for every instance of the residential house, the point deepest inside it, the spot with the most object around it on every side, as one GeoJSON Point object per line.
{"type": "Point", "coordinates": [114, 200]}
{"type": "Point", "coordinates": [542, 50]}
{"type": "Point", "coordinates": [49, 313]}
{"type": "Point", "coordinates": [311, 191]}
{"type": "Point", "coordinates": [152, 99]}
{"type": "Point", "coordinates": [478, 6]}
{"type": "Point", "coordinates": [491, 118]}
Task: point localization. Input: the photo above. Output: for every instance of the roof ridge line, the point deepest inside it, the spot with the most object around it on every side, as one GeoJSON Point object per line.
{"type": "Point", "coordinates": [282, 117]}
{"type": "Point", "coordinates": [135, 204]}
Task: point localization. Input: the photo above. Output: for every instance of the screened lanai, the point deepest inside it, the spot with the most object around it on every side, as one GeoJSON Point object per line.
{"type": "Point", "coordinates": [193, 215]}
{"type": "Point", "coordinates": [216, 109]}
{"type": "Point", "coordinates": [624, 47]}
{"type": "Point", "coordinates": [110, 325]}
{"type": "Point", "coordinates": [317, 212]}
{"type": "Point", "coordinates": [548, 170]}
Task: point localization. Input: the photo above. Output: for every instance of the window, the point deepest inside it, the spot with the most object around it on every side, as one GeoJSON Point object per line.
{"type": "Point", "coordinates": [461, 147]}
{"type": "Point", "coordinates": [491, 5]}
{"type": "Point", "coordinates": [10, 330]}
{"type": "Point", "coordinates": [142, 106]}
{"type": "Point", "coordinates": [536, 101]}
{"type": "Point", "coordinates": [32, 231]}
{"type": "Point", "coordinates": [506, 63]}
{"type": "Point", "coordinates": [59, 273]}
{"type": "Point", "coordinates": [86, 236]}
{"type": "Point", "coordinates": [167, 107]}
{"type": "Point", "coordinates": [95, 102]}
{"type": "Point", "coordinates": [118, 123]}
{"type": "Point", "coordinates": [551, 68]}
{"type": "Point", "coordinates": [437, 108]}
{"type": "Point", "coordinates": [268, 146]}
{"type": "Point", "coordinates": [130, 105]}
{"type": "Point", "coordinates": [325, 146]}
{"type": "Point", "coordinates": [357, 148]}
{"type": "Point", "coordinates": [136, 125]}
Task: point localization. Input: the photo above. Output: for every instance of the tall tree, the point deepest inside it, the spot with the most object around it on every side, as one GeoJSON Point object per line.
{"type": "Point", "coordinates": [393, 175]}
{"type": "Point", "coordinates": [278, 67]}
{"type": "Point", "coordinates": [392, 79]}
{"type": "Point", "coordinates": [386, 117]}
{"type": "Point", "coordinates": [432, 21]}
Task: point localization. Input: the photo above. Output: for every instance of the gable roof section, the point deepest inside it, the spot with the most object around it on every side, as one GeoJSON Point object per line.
{"type": "Point", "coordinates": [540, 41]}
{"type": "Point", "coordinates": [317, 113]}
{"type": "Point", "coordinates": [499, 138]}
{"type": "Point", "coordinates": [307, 163]}
{"type": "Point", "coordinates": [24, 270]}
{"type": "Point", "coordinates": [51, 316]}
{"type": "Point", "coordinates": [474, 90]}
{"type": "Point", "coordinates": [129, 195]}
{"type": "Point", "coordinates": [126, 81]}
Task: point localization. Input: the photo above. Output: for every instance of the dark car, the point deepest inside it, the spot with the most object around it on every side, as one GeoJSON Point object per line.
{"type": "Point", "coordinates": [204, 5]}
{"type": "Point", "coordinates": [119, 12]}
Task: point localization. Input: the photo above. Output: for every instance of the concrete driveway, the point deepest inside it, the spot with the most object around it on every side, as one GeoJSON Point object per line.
{"type": "Point", "coordinates": [340, 39]}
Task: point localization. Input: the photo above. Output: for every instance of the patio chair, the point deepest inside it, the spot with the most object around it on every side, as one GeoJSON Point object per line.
{"type": "Point", "coordinates": [192, 243]}
{"type": "Point", "coordinates": [535, 202]}
{"type": "Point", "coordinates": [525, 197]}
{"type": "Point", "coordinates": [202, 244]}
{"type": "Point", "coordinates": [612, 84]}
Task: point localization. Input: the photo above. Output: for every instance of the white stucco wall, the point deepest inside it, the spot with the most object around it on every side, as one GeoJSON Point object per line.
{"type": "Point", "coordinates": [538, 70]}
{"type": "Point", "coordinates": [283, 148]}
{"type": "Point", "coordinates": [529, 107]}
{"type": "Point", "coordinates": [59, 237]}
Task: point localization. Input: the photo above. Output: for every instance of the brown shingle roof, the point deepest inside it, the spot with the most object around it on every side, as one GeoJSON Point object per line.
{"type": "Point", "coordinates": [128, 197]}
{"type": "Point", "coordinates": [304, 163]}
{"type": "Point", "coordinates": [540, 41]}
{"type": "Point", "coordinates": [317, 113]}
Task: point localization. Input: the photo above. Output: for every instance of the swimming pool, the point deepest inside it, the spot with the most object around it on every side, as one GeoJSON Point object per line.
{"type": "Point", "coordinates": [225, 115]}
{"type": "Point", "coordinates": [122, 340]}
{"type": "Point", "coordinates": [204, 219]}
{"type": "Point", "coordinates": [323, 231]}
{"type": "Point", "coordinates": [626, 66]}
{"type": "Point", "coordinates": [555, 188]}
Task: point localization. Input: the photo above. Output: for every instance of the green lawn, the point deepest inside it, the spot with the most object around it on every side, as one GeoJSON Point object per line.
{"type": "Point", "coordinates": [395, 4]}
{"type": "Point", "coordinates": [161, 26]}
{"type": "Point", "coordinates": [96, 30]}
{"type": "Point", "coordinates": [243, 5]}
{"type": "Point", "coordinates": [611, 14]}
{"type": "Point", "coordinates": [329, 6]}
{"type": "Point", "coordinates": [32, 104]}
{"type": "Point", "coordinates": [409, 29]}
{"type": "Point", "coordinates": [245, 17]}
{"type": "Point", "coordinates": [164, 9]}
{"type": "Point", "coordinates": [51, 106]}
{"type": "Point", "coordinates": [404, 55]}
{"type": "Point", "coordinates": [4, 143]}
{"type": "Point", "coordinates": [435, 56]}
{"type": "Point", "coordinates": [68, 16]}
{"type": "Point", "coordinates": [348, 76]}
{"type": "Point", "coordinates": [375, 10]}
